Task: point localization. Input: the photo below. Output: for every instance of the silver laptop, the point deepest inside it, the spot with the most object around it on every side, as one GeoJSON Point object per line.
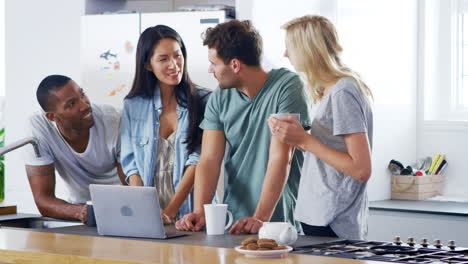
{"type": "Point", "coordinates": [128, 211]}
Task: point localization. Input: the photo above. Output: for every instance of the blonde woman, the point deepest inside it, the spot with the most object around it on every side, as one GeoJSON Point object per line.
{"type": "Point", "coordinates": [332, 199]}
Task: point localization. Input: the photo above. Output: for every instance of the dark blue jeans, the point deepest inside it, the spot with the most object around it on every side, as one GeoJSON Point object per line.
{"type": "Point", "coordinates": [324, 231]}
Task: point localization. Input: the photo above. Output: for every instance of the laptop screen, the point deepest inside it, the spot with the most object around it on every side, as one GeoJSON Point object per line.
{"type": "Point", "coordinates": [127, 211]}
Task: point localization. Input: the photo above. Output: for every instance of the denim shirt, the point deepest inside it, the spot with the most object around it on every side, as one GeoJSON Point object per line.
{"type": "Point", "coordinates": [139, 133]}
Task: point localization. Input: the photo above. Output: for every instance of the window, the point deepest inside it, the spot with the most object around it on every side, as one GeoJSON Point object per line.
{"type": "Point", "coordinates": [462, 96]}
{"type": "Point", "coordinates": [2, 50]}
{"type": "Point", "coordinates": [444, 62]}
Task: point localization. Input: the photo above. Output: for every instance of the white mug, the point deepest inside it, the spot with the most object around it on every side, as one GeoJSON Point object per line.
{"type": "Point", "coordinates": [283, 232]}
{"type": "Point", "coordinates": [215, 217]}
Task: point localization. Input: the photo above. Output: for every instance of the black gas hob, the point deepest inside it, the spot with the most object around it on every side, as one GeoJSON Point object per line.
{"type": "Point", "coordinates": [386, 251]}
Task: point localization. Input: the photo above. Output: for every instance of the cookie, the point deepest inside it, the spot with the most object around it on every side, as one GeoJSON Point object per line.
{"type": "Point", "coordinates": [252, 246]}
{"type": "Point", "coordinates": [267, 244]}
{"type": "Point", "coordinates": [261, 240]}
{"type": "Point", "coordinates": [249, 240]}
{"type": "Point", "coordinates": [279, 247]}
{"type": "Point", "coordinates": [263, 248]}
{"type": "Point", "coordinates": [252, 243]}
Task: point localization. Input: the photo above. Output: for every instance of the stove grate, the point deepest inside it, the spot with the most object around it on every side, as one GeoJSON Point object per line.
{"type": "Point", "coordinates": [386, 252]}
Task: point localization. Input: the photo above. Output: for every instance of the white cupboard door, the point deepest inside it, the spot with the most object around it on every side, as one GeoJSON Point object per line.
{"type": "Point", "coordinates": [108, 47]}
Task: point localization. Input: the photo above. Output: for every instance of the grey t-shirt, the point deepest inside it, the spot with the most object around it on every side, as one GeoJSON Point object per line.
{"type": "Point", "coordinates": [97, 164]}
{"type": "Point", "coordinates": [327, 196]}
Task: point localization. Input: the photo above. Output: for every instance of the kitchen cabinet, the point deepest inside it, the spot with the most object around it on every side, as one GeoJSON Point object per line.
{"type": "Point", "coordinates": [108, 48]}
{"type": "Point", "coordinates": [143, 6]}
{"type": "Point", "coordinates": [419, 219]}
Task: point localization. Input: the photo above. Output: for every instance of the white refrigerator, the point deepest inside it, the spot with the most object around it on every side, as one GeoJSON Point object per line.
{"type": "Point", "coordinates": [108, 48]}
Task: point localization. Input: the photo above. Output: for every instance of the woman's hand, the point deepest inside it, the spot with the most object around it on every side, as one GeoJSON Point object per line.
{"type": "Point", "coordinates": [288, 130]}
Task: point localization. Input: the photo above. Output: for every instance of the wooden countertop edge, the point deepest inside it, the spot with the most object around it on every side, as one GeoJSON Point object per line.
{"type": "Point", "coordinates": [28, 257]}
{"type": "Point", "coordinates": [25, 246]}
{"type": "Point", "coordinates": [28, 247]}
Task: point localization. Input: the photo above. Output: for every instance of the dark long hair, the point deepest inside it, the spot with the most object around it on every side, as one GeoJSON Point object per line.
{"type": "Point", "coordinates": [145, 81]}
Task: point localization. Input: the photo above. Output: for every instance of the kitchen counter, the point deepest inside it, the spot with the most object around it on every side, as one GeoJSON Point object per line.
{"type": "Point", "coordinates": [431, 207]}
{"type": "Point", "coordinates": [195, 238]}
{"type": "Point", "coordinates": [81, 244]}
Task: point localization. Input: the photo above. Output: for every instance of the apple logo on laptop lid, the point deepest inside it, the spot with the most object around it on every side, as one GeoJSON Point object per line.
{"type": "Point", "coordinates": [126, 210]}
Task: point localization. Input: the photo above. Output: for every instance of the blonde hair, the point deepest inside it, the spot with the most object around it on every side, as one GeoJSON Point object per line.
{"type": "Point", "coordinates": [313, 48]}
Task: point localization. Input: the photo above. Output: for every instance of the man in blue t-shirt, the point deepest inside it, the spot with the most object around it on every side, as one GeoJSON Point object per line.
{"type": "Point", "coordinates": [256, 166]}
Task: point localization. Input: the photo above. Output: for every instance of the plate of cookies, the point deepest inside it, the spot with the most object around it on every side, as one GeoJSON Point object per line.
{"type": "Point", "coordinates": [262, 247]}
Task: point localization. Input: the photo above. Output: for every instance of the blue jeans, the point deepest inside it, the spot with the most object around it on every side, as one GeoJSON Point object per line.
{"type": "Point", "coordinates": [324, 231]}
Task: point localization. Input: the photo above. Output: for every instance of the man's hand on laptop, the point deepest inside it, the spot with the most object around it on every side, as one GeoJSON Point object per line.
{"type": "Point", "coordinates": [191, 222]}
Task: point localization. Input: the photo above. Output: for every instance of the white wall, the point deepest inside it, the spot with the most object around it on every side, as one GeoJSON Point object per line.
{"type": "Point", "coordinates": [450, 139]}
{"type": "Point", "coordinates": [378, 44]}
{"type": "Point", "coordinates": [269, 22]}
{"type": "Point", "coordinates": [383, 49]}
{"type": "Point", "coordinates": [2, 52]}
{"type": "Point", "coordinates": [437, 135]}
{"type": "Point", "coordinates": [42, 38]}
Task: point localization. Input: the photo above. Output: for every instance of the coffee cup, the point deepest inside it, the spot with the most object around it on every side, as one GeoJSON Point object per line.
{"type": "Point", "coordinates": [215, 217]}
{"type": "Point", "coordinates": [283, 232]}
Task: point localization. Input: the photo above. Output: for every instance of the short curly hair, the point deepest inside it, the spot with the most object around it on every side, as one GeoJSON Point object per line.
{"type": "Point", "coordinates": [235, 39]}
{"type": "Point", "coordinates": [47, 86]}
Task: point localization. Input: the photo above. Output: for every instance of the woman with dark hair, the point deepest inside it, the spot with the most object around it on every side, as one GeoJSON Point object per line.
{"type": "Point", "coordinates": [160, 136]}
